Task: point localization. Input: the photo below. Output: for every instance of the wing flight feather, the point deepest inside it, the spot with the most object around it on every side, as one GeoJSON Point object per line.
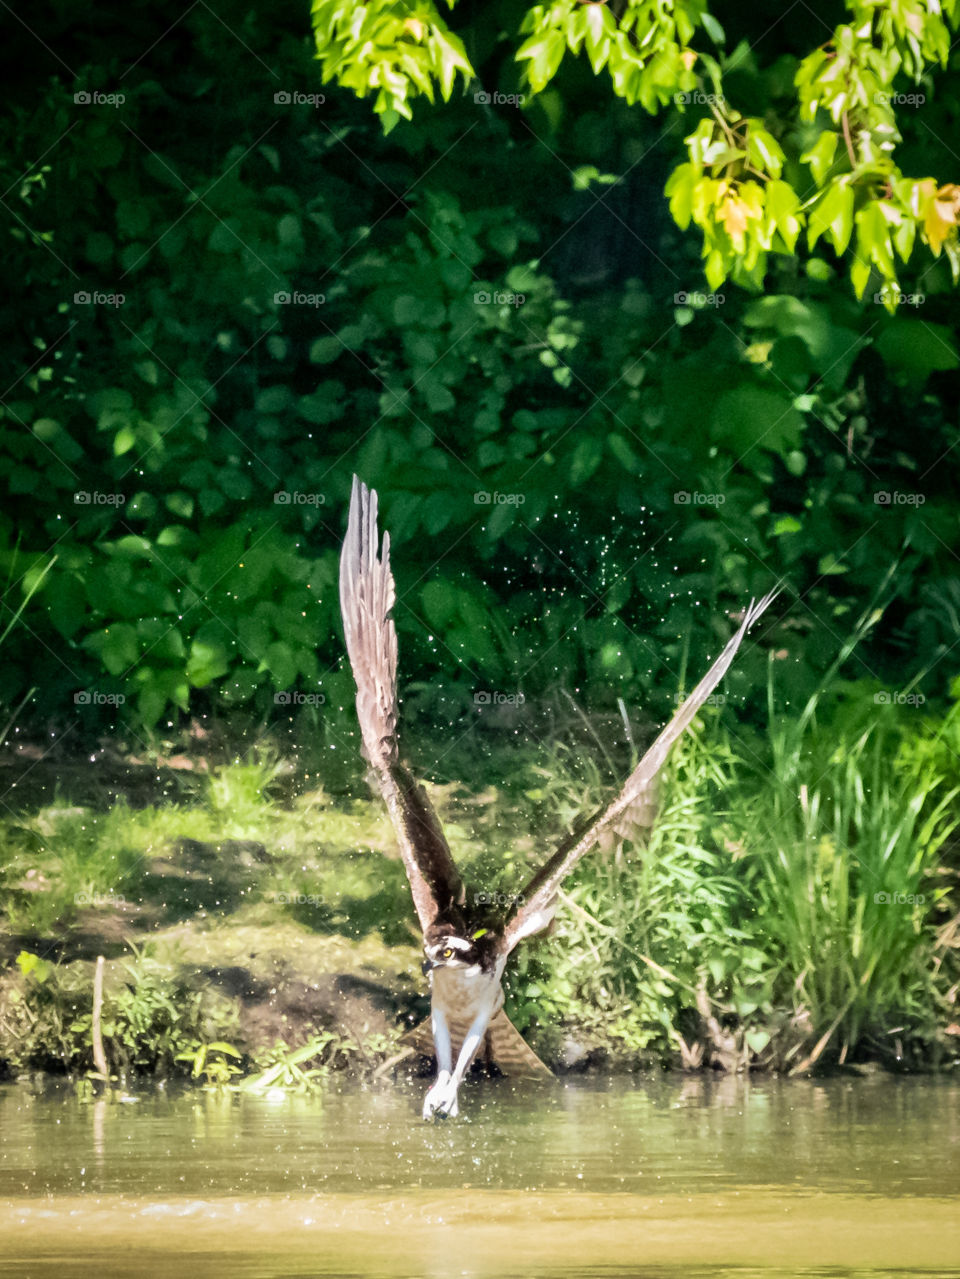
{"type": "Point", "coordinates": [367, 596]}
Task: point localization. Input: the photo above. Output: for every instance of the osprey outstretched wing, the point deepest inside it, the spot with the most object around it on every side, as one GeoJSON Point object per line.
{"type": "Point", "coordinates": [367, 595]}
{"type": "Point", "coordinates": [466, 952]}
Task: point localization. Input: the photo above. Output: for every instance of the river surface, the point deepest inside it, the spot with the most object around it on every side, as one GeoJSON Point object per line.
{"type": "Point", "coordinates": [656, 1178]}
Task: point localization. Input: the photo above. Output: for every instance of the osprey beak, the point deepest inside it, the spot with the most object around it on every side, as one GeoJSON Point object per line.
{"type": "Point", "coordinates": [427, 965]}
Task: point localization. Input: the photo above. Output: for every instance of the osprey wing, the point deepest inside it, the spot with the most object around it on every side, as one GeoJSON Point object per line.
{"type": "Point", "coordinates": [634, 806]}
{"type": "Point", "coordinates": [367, 595]}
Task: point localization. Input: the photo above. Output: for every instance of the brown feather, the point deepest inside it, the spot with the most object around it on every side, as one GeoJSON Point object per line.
{"type": "Point", "coordinates": [367, 595]}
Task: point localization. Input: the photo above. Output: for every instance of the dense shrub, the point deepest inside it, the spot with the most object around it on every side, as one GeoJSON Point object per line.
{"type": "Point", "coordinates": [577, 485]}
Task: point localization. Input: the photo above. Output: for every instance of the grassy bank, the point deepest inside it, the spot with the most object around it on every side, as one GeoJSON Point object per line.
{"type": "Point", "coordinates": [796, 905]}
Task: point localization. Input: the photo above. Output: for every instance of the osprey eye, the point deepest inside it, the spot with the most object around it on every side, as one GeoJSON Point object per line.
{"type": "Point", "coordinates": [447, 953]}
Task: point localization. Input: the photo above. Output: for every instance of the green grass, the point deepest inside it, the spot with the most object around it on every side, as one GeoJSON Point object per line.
{"type": "Point", "coordinates": [751, 927]}
{"type": "Point", "coordinates": [848, 846]}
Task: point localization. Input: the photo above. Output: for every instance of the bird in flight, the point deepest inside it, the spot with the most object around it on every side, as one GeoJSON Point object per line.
{"type": "Point", "coordinates": [465, 947]}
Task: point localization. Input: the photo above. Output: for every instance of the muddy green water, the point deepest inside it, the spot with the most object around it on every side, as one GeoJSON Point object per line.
{"type": "Point", "coordinates": [666, 1177]}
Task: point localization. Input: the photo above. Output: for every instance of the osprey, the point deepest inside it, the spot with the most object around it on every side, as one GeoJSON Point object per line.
{"type": "Point", "coordinates": [465, 948]}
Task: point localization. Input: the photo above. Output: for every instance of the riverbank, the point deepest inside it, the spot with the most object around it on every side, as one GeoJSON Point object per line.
{"type": "Point", "coordinates": [239, 902]}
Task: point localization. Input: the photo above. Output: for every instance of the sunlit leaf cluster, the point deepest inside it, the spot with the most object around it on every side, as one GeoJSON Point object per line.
{"type": "Point", "coordinates": [746, 182]}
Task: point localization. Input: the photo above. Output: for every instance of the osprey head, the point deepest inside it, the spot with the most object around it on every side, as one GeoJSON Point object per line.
{"type": "Point", "coordinates": [445, 947]}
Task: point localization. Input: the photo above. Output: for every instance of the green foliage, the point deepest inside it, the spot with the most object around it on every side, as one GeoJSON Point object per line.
{"type": "Point", "coordinates": [283, 1067]}
{"type": "Point", "coordinates": [849, 880]}
{"type": "Point", "coordinates": [397, 50]}
{"type": "Point", "coordinates": [581, 463]}
{"type": "Point", "coordinates": [151, 1021]}
{"type": "Point", "coordinates": [213, 1062]}
{"type": "Point", "coordinates": [733, 186]}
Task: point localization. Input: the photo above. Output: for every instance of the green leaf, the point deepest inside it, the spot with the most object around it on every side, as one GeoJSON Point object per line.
{"type": "Point", "coordinates": [713, 28]}
{"type": "Point", "coordinates": [180, 504]}
{"type": "Point", "coordinates": [917, 348]}
{"type": "Point", "coordinates": [833, 213]}
{"type": "Point", "coordinates": [124, 441]}
{"type": "Point", "coordinates": [274, 399]}
{"type": "Point", "coordinates": [32, 965]}
{"type": "Point", "coordinates": [830, 566]}
{"type": "Point", "coordinates": [281, 662]}
{"type": "Point", "coordinates": [756, 1040]}
{"type": "Point", "coordinates": [587, 456]}
{"type": "Point", "coordinates": [820, 155]}
{"type": "Point", "coordinates": [207, 662]}
{"type": "Point", "coordinates": [118, 647]}
{"type": "Point", "coordinates": [755, 416]}
{"type": "Point", "coordinates": [441, 602]}
{"type": "Point", "coordinates": [786, 524]}
{"type": "Point", "coordinates": [325, 350]}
